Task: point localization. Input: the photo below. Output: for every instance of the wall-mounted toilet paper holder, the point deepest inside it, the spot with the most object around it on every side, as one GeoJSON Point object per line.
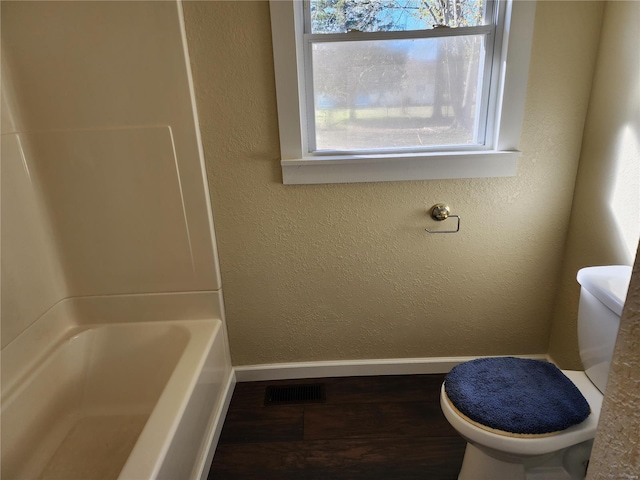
{"type": "Point", "coordinates": [440, 212]}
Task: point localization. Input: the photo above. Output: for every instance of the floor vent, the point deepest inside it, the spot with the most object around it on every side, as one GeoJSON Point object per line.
{"type": "Point", "coordinates": [295, 394]}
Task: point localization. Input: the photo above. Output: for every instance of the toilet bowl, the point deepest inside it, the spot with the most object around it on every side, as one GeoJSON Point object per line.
{"type": "Point", "coordinates": [506, 457]}
{"type": "Point", "coordinates": [563, 455]}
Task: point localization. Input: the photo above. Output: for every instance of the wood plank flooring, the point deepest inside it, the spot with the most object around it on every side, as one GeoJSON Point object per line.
{"type": "Point", "coordinates": [387, 427]}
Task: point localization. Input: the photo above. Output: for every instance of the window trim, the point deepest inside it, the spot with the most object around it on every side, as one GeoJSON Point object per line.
{"type": "Point", "coordinates": [301, 168]}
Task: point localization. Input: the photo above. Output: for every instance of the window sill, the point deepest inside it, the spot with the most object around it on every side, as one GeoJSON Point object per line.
{"type": "Point", "coordinates": [391, 168]}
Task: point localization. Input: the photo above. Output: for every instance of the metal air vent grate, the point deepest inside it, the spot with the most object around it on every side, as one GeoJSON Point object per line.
{"type": "Point", "coordinates": [295, 394]}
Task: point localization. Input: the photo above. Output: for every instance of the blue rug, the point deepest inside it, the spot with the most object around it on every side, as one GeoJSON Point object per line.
{"type": "Point", "coordinates": [516, 395]}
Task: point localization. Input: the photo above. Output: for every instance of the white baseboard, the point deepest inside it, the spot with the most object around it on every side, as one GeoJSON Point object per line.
{"type": "Point", "coordinates": [353, 368]}
{"type": "Point", "coordinates": [201, 471]}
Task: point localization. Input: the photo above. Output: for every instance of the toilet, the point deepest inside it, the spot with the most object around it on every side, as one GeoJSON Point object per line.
{"type": "Point", "coordinates": [495, 454]}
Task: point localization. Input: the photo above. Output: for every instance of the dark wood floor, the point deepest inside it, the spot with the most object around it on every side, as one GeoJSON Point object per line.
{"type": "Point", "coordinates": [388, 427]}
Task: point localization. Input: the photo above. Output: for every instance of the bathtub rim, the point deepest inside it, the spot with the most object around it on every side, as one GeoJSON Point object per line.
{"type": "Point", "coordinates": [161, 426]}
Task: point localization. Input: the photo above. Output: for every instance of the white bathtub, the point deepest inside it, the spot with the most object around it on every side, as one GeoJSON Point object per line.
{"type": "Point", "coordinates": [115, 401]}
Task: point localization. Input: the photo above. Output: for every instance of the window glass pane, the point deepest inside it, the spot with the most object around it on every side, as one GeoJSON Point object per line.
{"type": "Point", "coordinates": [341, 16]}
{"type": "Point", "coordinates": [397, 93]}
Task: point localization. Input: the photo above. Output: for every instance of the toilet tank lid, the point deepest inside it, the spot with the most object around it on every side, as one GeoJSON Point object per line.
{"type": "Point", "coordinates": [608, 284]}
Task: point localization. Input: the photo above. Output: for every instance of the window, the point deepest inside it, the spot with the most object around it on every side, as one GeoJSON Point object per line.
{"type": "Point", "coordinates": [381, 90]}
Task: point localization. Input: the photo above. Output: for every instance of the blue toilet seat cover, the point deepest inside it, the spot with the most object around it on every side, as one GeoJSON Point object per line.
{"type": "Point", "coordinates": [516, 395]}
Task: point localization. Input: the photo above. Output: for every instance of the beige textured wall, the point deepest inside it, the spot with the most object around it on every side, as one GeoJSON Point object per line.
{"type": "Point", "coordinates": [346, 271]}
{"type": "Point", "coordinates": [605, 219]}
{"type": "Point", "coordinates": [616, 453]}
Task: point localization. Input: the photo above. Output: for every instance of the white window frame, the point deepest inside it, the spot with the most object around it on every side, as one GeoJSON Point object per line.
{"type": "Point", "coordinates": [506, 112]}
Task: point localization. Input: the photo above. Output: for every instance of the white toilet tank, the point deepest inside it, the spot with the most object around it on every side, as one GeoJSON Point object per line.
{"type": "Point", "coordinates": [602, 296]}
